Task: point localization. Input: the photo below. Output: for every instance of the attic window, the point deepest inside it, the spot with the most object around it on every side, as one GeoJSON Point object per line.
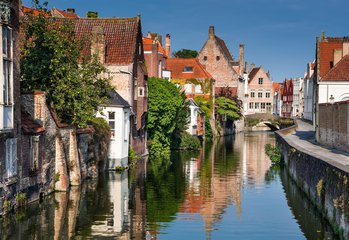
{"type": "Point", "coordinates": [188, 69]}
{"type": "Point", "coordinates": [331, 64]}
{"type": "Point", "coordinates": [205, 58]}
{"type": "Point", "coordinates": [218, 58]}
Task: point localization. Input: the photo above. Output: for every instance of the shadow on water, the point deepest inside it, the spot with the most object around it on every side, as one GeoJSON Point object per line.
{"type": "Point", "coordinates": [313, 226]}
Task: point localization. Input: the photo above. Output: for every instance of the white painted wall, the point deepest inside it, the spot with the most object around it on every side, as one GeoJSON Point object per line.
{"type": "Point", "coordinates": [308, 87]}
{"type": "Point", "coordinates": [119, 144]}
{"type": "Point", "coordinates": [192, 129]}
{"type": "Point", "coordinates": [339, 90]}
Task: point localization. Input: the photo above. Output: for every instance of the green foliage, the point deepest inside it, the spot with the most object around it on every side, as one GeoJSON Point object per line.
{"type": "Point", "coordinates": [92, 14]}
{"type": "Point", "coordinates": [205, 104]}
{"type": "Point", "coordinates": [186, 142]}
{"type": "Point", "coordinates": [283, 122]}
{"type": "Point", "coordinates": [21, 199]}
{"type": "Point", "coordinates": [6, 206]}
{"type": "Point", "coordinates": [208, 130]}
{"type": "Point", "coordinates": [132, 156]}
{"type": "Point", "coordinates": [227, 107]}
{"type": "Point", "coordinates": [102, 129]}
{"type": "Point", "coordinates": [51, 62]}
{"type": "Point", "coordinates": [167, 115]}
{"type": "Point", "coordinates": [250, 122]}
{"type": "Point", "coordinates": [273, 152]}
{"type": "Point", "coordinates": [185, 53]}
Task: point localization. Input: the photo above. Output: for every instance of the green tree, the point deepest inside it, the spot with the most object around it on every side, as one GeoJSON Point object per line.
{"type": "Point", "coordinates": [51, 61]}
{"type": "Point", "coordinates": [166, 114]}
{"type": "Point", "coordinates": [227, 107]}
{"type": "Point", "coordinates": [185, 53]}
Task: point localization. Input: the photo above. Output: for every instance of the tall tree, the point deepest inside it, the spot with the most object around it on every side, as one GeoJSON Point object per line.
{"type": "Point", "coordinates": [51, 61]}
{"type": "Point", "coordinates": [185, 53]}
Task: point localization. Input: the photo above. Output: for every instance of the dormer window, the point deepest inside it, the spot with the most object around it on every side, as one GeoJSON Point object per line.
{"type": "Point", "coordinates": [218, 58]}
{"type": "Point", "coordinates": [188, 69]}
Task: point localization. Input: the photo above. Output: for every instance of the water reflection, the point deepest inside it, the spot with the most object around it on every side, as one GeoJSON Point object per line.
{"type": "Point", "coordinates": [228, 190]}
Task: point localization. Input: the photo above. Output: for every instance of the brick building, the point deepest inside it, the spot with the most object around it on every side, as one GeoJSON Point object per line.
{"type": "Point", "coordinates": [117, 42]}
{"type": "Point", "coordinates": [260, 91]}
{"type": "Point", "coordinates": [10, 111]}
{"type": "Point", "coordinates": [218, 61]}
{"type": "Point", "coordinates": [155, 55]}
{"type": "Point", "coordinates": [287, 98]}
{"type": "Point", "coordinates": [331, 73]}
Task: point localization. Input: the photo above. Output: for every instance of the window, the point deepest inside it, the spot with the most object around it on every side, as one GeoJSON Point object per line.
{"type": "Point", "coordinates": [141, 92]}
{"type": "Point", "coordinates": [7, 73]}
{"type": "Point", "coordinates": [260, 80]}
{"type": "Point", "coordinates": [218, 58]}
{"type": "Point", "coordinates": [160, 69]}
{"type": "Point", "coordinates": [126, 132]}
{"type": "Point", "coordinates": [11, 157]}
{"type": "Point", "coordinates": [262, 105]}
{"type": "Point", "coordinates": [205, 58]}
{"type": "Point", "coordinates": [252, 94]}
{"type": "Point", "coordinates": [267, 94]}
{"type": "Point", "coordinates": [256, 105]}
{"type": "Point", "coordinates": [34, 148]}
{"type": "Point", "coordinates": [260, 94]}
{"type": "Point", "coordinates": [135, 89]}
{"type": "Point", "coordinates": [251, 105]}
{"type": "Point", "coordinates": [187, 88]}
{"type": "Point", "coordinates": [188, 69]}
{"type": "Point", "coordinates": [111, 122]}
{"type": "Point", "coordinates": [198, 88]}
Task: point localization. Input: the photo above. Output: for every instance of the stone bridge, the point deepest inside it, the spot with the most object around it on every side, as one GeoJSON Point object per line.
{"type": "Point", "coordinates": [262, 120]}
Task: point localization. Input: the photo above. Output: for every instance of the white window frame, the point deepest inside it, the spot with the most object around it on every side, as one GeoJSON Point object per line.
{"type": "Point", "coordinates": [6, 93]}
{"type": "Point", "coordinates": [11, 157]}
{"type": "Point", "coordinates": [112, 120]}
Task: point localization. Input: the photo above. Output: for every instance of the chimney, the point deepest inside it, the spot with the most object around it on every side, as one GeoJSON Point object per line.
{"type": "Point", "coordinates": [70, 10]}
{"type": "Point", "coordinates": [98, 43]}
{"type": "Point", "coordinates": [149, 35]}
{"type": "Point", "coordinates": [92, 14]}
{"type": "Point", "coordinates": [241, 58]}
{"type": "Point", "coordinates": [323, 36]}
{"type": "Point", "coordinates": [160, 39]}
{"type": "Point", "coordinates": [168, 45]}
{"type": "Point", "coordinates": [345, 48]}
{"type": "Point", "coordinates": [246, 67]}
{"type": "Point", "coordinates": [211, 31]}
{"type": "Point", "coordinates": [252, 66]}
{"type": "Point", "coordinates": [337, 56]}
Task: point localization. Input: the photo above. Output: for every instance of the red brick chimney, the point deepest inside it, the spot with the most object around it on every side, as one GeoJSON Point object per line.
{"type": "Point", "coordinates": [241, 58]}
{"type": "Point", "coordinates": [211, 31]}
{"type": "Point", "coordinates": [168, 45]}
{"type": "Point", "coordinates": [98, 43]}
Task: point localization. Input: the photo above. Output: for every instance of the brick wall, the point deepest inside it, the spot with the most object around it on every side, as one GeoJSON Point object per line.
{"type": "Point", "coordinates": [333, 125]}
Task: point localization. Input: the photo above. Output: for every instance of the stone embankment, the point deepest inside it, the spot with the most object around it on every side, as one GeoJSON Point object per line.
{"type": "Point", "coordinates": [322, 173]}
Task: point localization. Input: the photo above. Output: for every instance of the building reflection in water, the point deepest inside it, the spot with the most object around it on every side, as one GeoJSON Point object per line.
{"type": "Point", "coordinates": [216, 177]}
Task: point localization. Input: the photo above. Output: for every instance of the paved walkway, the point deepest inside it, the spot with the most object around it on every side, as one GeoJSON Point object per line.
{"type": "Point", "coordinates": [303, 139]}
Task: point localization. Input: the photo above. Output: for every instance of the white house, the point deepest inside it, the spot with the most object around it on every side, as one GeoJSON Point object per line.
{"type": "Point", "coordinates": [196, 122]}
{"type": "Point", "coordinates": [308, 91]}
{"type": "Point", "coordinates": [334, 86]}
{"type": "Point", "coordinates": [297, 104]}
{"type": "Point", "coordinates": [117, 114]}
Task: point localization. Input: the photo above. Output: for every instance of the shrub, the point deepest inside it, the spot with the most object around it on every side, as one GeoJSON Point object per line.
{"type": "Point", "coordinates": [188, 142]}
{"type": "Point", "coordinates": [273, 152]}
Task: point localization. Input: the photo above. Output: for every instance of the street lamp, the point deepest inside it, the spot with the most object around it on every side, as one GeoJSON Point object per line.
{"type": "Point", "coordinates": [331, 99]}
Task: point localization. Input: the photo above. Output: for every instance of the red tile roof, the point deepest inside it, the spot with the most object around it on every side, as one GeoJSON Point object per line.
{"type": "Point", "coordinates": [177, 65]}
{"type": "Point", "coordinates": [148, 43]}
{"type": "Point", "coordinates": [120, 36]}
{"type": "Point", "coordinates": [253, 73]}
{"type": "Point", "coordinates": [27, 11]}
{"type": "Point", "coordinates": [276, 86]}
{"type": "Point", "coordinates": [326, 55]}
{"type": "Point", "coordinates": [63, 14]}
{"type": "Point", "coordinates": [340, 72]}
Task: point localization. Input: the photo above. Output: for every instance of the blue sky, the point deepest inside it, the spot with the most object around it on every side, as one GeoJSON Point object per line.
{"type": "Point", "coordinates": [278, 34]}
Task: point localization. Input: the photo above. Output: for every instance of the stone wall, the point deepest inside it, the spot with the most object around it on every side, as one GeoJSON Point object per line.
{"type": "Point", "coordinates": [324, 182]}
{"type": "Point", "coordinates": [333, 128]}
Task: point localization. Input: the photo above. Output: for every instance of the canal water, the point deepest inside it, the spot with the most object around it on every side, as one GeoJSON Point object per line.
{"type": "Point", "coordinates": [229, 190]}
